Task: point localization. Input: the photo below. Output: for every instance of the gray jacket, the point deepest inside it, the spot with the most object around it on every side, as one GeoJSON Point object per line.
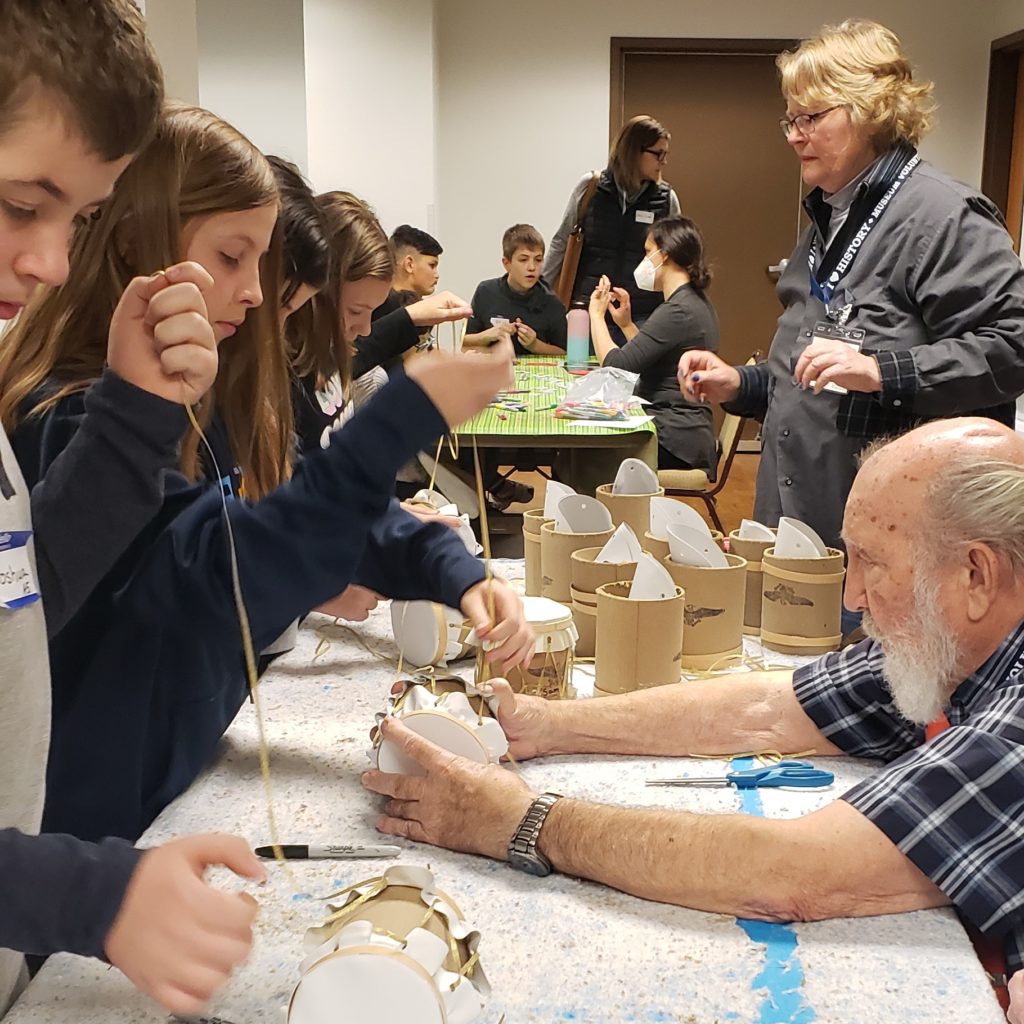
{"type": "Point", "coordinates": [940, 293]}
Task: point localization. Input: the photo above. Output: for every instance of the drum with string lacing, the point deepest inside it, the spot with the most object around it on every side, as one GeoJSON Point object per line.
{"type": "Point", "coordinates": [396, 949]}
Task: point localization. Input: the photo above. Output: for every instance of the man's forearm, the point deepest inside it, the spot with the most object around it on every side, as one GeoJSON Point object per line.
{"type": "Point", "coordinates": [730, 715]}
{"type": "Point", "coordinates": [832, 863]}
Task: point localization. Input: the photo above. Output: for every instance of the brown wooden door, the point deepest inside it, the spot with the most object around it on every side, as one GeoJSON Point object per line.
{"type": "Point", "coordinates": [732, 169]}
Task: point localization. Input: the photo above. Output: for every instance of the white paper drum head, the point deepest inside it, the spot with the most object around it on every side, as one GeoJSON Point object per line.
{"type": "Point", "coordinates": [366, 985]}
{"type": "Point", "coordinates": [447, 732]}
{"type": "Point", "coordinates": [416, 631]}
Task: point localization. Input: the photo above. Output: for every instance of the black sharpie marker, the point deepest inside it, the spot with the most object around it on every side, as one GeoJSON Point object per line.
{"type": "Point", "coordinates": [342, 852]}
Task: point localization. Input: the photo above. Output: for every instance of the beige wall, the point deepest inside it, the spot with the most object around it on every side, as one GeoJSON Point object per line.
{"type": "Point", "coordinates": [524, 92]}
{"type": "Point", "coordinates": [172, 27]}
{"type": "Point", "coordinates": [370, 103]}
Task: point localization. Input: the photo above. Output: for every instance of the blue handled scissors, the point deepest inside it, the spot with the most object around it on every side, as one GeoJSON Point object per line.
{"type": "Point", "coordinates": [784, 775]}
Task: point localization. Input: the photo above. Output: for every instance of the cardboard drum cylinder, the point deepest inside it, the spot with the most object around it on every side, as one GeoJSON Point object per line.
{"type": "Point", "coordinates": [586, 576]}
{"type": "Point", "coordinates": [447, 711]}
{"type": "Point", "coordinates": [634, 509]}
{"type": "Point", "coordinates": [752, 551]}
{"type": "Point", "coordinates": [555, 558]}
{"type": "Point", "coordinates": [430, 634]}
{"type": "Point", "coordinates": [639, 643]}
{"type": "Point", "coordinates": [549, 673]}
{"type": "Point", "coordinates": [713, 614]}
{"type": "Point", "coordinates": [532, 520]}
{"type": "Point", "coordinates": [396, 949]}
{"type": "Point", "coordinates": [802, 602]}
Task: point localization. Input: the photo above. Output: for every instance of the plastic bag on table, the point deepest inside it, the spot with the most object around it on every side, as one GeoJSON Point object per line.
{"type": "Point", "coordinates": [604, 394]}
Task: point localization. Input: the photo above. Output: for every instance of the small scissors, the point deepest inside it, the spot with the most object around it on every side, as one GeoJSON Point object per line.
{"type": "Point", "coordinates": [784, 775]}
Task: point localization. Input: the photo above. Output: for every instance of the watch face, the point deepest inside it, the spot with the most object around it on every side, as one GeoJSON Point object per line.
{"type": "Point", "coordinates": [532, 864]}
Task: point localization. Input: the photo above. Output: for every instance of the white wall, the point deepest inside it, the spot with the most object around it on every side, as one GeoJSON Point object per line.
{"type": "Point", "coordinates": [370, 103]}
{"type": "Point", "coordinates": [1004, 18]}
{"type": "Point", "coordinates": [251, 70]}
{"type": "Point", "coordinates": [524, 94]}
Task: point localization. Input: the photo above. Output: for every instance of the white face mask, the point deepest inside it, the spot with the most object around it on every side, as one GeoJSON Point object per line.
{"type": "Point", "coordinates": [644, 275]}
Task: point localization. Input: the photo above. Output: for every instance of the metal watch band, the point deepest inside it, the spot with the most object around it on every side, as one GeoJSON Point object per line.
{"type": "Point", "coordinates": [524, 839]}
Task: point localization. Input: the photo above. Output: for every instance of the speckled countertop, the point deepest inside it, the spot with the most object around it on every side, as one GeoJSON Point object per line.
{"type": "Point", "coordinates": [555, 949]}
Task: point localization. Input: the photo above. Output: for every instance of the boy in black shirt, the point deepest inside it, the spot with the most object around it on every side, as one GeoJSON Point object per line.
{"type": "Point", "coordinates": [518, 305]}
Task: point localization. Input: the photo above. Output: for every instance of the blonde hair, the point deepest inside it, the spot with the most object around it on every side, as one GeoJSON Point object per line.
{"type": "Point", "coordinates": [195, 165]}
{"type": "Point", "coordinates": [637, 134]}
{"type": "Point", "coordinates": [359, 249]}
{"type": "Point", "coordinates": [860, 65]}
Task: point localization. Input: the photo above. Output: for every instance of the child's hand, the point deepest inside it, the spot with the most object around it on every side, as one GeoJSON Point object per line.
{"type": "Point", "coordinates": [526, 335]}
{"type": "Point", "coordinates": [499, 332]}
{"type": "Point", "coordinates": [621, 307]}
{"type": "Point", "coordinates": [438, 309]}
{"type": "Point", "coordinates": [353, 604]}
{"type": "Point", "coordinates": [160, 339]}
{"type": "Point", "coordinates": [460, 386]}
{"type": "Point", "coordinates": [177, 938]}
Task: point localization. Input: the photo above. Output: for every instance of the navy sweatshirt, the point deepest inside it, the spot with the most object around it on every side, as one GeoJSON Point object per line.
{"type": "Point", "coordinates": [149, 674]}
{"type": "Point", "coordinates": [58, 893]}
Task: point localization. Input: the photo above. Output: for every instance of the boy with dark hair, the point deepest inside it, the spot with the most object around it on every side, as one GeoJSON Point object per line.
{"type": "Point", "coordinates": [80, 90]}
{"type": "Point", "coordinates": [518, 305]}
{"type": "Point", "coordinates": [417, 256]}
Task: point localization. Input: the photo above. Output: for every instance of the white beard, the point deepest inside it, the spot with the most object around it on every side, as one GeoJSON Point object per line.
{"type": "Point", "coordinates": [921, 661]}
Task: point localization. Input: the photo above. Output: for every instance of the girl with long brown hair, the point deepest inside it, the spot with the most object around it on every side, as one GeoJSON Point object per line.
{"type": "Point", "coordinates": [149, 673]}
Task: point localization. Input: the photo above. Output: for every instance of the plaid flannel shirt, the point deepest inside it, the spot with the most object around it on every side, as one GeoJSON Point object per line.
{"type": "Point", "coordinates": [953, 805]}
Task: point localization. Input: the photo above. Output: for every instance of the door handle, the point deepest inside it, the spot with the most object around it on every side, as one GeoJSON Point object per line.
{"type": "Point", "coordinates": [777, 269]}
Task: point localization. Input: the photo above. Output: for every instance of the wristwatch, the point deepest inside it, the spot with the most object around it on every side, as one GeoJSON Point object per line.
{"type": "Point", "coordinates": [522, 847]}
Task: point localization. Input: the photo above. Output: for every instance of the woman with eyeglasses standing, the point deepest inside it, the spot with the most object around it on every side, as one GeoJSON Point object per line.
{"type": "Point", "coordinates": [902, 302]}
{"type": "Point", "coordinates": [619, 205]}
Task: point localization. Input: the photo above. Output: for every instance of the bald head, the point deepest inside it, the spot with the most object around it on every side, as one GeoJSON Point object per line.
{"type": "Point", "coordinates": [898, 477]}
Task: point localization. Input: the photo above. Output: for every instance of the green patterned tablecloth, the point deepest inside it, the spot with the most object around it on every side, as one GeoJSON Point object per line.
{"type": "Point", "coordinates": [545, 380]}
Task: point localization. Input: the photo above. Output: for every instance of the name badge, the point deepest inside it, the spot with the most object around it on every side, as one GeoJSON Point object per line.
{"type": "Point", "coordinates": [645, 216]}
{"type": "Point", "coordinates": [852, 336]}
{"type": "Point", "coordinates": [18, 587]}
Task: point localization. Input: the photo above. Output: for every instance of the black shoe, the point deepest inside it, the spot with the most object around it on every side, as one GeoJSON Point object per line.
{"type": "Point", "coordinates": [508, 492]}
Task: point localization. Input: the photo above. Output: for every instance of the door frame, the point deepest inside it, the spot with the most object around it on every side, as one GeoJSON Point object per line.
{"type": "Point", "coordinates": [623, 46]}
{"type": "Point", "coordinates": [1001, 115]}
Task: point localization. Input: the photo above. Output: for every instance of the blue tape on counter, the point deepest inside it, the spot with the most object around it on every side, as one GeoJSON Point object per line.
{"type": "Point", "coordinates": [782, 977]}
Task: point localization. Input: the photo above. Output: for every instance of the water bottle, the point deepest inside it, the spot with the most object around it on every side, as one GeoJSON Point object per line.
{"type": "Point", "coordinates": [577, 351]}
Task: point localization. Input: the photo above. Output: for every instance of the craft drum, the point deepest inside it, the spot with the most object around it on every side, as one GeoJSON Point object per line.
{"type": "Point", "coordinates": [447, 711]}
{"type": "Point", "coordinates": [549, 673]}
{"type": "Point", "coordinates": [396, 949]}
{"type": "Point", "coordinates": [430, 634]}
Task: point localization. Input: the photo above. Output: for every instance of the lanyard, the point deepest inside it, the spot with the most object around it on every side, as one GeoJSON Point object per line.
{"type": "Point", "coordinates": [824, 290]}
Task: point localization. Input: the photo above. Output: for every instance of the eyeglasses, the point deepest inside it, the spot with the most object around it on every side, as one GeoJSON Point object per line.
{"type": "Point", "coordinates": [661, 155]}
{"type": "Point", "coordinates": [804, 123]}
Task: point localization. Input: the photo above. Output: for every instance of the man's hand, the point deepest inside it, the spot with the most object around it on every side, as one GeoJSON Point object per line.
{"type": "Point", "coordinates": [460, 386]}
{"type": "Point", "coordinates": [438, 309]}
{"type": "Point", "coordinates": [160, 339]}
{"type": "Point", "coordinates": [175, 937]}
{"type": "Point", "coordinates": [703, 377]}
{"type": "Point", "coordinates": [353, 604]}
{"type": "Point", "coordinates": [528, 722]}
{"type": "Point", "coordinates": [834, 362]}
{"type": "Point", "coordinates": [458, 804]}
{"type": "Point", "coordinates": [1016, 989]}
{"type": "Point", "coordinates": [510, 633]}
{"type": "Point", "coordinates": [526, 334]}
{"type": "Point", "coordinates": [621, 308]}
{"type": "Point", "coordinates": [429, 514]}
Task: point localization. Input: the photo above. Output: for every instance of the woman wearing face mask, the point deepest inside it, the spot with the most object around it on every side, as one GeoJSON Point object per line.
{"type": "Point", "coordinates": [903, 300]}
{"type": "Point", "coordinates": [673, 265]}
{"type": "Point", "coordinates": [625, 199]}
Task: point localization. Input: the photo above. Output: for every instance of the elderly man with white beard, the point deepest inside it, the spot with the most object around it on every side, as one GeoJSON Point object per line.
{"type": "Point", "coordinates": [934, 527]}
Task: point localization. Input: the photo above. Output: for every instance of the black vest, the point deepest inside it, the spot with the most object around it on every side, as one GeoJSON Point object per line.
{"type": "Point", "coordinates": [613, 240]}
